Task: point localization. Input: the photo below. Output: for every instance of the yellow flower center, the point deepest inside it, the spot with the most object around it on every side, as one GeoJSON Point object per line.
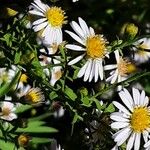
{"type": "Point", "coordinates": [34, 95]}
{"type": "Point", "coordinates": [140, 119]}
{"type": "Point", "coordinates": [23, 78]}
{"type": "Point", "coordinates": [123, 66]}
{"type": "Point", "coordinates": [56, 16]}
{"type": "Point", "coordinates": [23, 140]}
{"type": "Point", "coordinates": [6, 111]}
{"type": "Point", "coordinates": [96, 47]}
{"type": "Point", "coordinates": [58, 75]}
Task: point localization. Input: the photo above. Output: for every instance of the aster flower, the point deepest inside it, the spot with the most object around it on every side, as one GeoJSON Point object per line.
{"type": "Point", "coordinates": [93, 48]}
{"type": "Point", "coordinates": [34, 96]}
{"type": "Point", "coordinates": [120, 70]}
{"type": "Point", "coordinates": [50, 20]}
{"type": "Point", "coordinates": [55, 72]}
{"type": "Point", "coordinates": [132, 120]}
{"type": "Point", "coordinates": [142, 50]}
{"type": "Point", "coordinates": [7, 111]}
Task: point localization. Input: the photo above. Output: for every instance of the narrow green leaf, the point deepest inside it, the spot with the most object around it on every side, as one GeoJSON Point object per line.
{"type": "Point", "coordinates": [37, 140]}
{"type": "Point", "coordinates": [17, 57]}
{"type": "Point", "coordinates": [42, 129]}
{"type": "Point", "coordinates": [69, 92]}
{"type": "Point", "coordinates": [7, 87]}
{"type": "Point", "coordinates": [23, 108]}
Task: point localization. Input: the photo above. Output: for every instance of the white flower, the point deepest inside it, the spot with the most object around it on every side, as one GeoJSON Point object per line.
{"type": "Point", "coordinates": [132, 120]}
{"type": "Point", "coordinates": [7, 111]}
{"type": "Point", "coordinates": [56, 71]}
{"type": "Point", "coordinates": [142, 50]}
{"type": "Point", "coordinates": [93, 47]}
{"type": "Point", "coordinates": [50, 20]}
{"type": "Point", "coordinates": [120, 69]}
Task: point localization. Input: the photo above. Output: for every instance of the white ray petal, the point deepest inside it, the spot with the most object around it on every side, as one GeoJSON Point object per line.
{"type": "Point", "coordinates": [40, 5]}
{"type": "Point", "coordinates": [92, 71]}
{"type": "Point", "coordinates": [136, 96]}
{"type": "Point", "coordinates": [75, 37]}
{"type": "Point", "coordinates": [39, 21]}
{"type": "Point", "coordinates": [128, 96]}
{"type": "Point", "coordinates": [122, 108]}
{"type": "Point", "coordinates": [146, 101]}
{"type": "Point", "coordinates": [34, 12]}
{"type": "Point", "coordinates": [84, 27]}
{"type": "Point", "coordinates": [77, 59]}
{"type": "Point", "coordinates": [45, 31]}
{"type": "Point", "coordinates": [100, 69]}
{"type": "Point", "coordinates": [130, 142]}
{"type": "Point", "coordinates": [117, 56]}
{"type": "Point", "coordinates": [119, 125]}
{"type": "Point", "coordinates": [75, 47]}
{"type": "Point", "coordinates": [125, 100]}
{"type": "Point", "coordinates": [137, 141]}
{"type": "Point", "coordinates": [77, 29]}
{"type": "Point", "coordinates": [92, 32]}
{"type": "Point", "coordinates": [114, 78]}
{"type": "Point", "coordinates": [88, 70]}
{"type": "Point", "coordinates": [110, 67]}
{"type": "Point", "coordinates": [40, 26]}
{"type": "Point", "coordinates": [117, 116]}
{"type": "Point", "coordinates": [145, 135]}
{"type": "Point", "coordinates": [147, 144]}
{"type": "Point", "coordinates": [124, 137]}
{"type": "Point", "coordinates": [96, 71]}
{"type": "Point", "coordinates": [142, 97]}
{"type": "Point", "coordinates": [82, 70]}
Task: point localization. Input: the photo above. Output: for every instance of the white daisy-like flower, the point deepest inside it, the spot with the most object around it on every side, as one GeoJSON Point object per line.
{"type": "Point", "coordinates": [142, 50]}
{"type": "Point", "coordinates": [7, 111]}
{"type": "Point", "coordinates": [50, 20]}
{"type": "Point", "coordinates": [120, 70]}
{"type": "Point", "coordinates": [56, 71]}
{"type": "Point", "coordinates": [93, 48]}
{"type": "Point", "coordinates": [132, 120]}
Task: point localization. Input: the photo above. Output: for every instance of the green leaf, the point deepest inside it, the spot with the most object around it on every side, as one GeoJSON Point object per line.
{"type": "Point", "coordinates": [6, 145]}
{"type": "Point", "coordinates": [110, 108]}
{"type": "Point", "coordinates": [53, 95]}
{"type": "Point", "coordinates": [97, 102]}
{"type": "Point", "coordinates": [17, 57]}
{"type": "Point", "coordinates": [23, 108]}
{"type": "Point", "coordinates": [86, 101]}
{"type": "Point", "coordinates": [37, 140]}
{"type": "Point", "coordinates": [37, 127]}
{"type": "Point", "coordinates": [7, 87]}
{"type": "Point", "coordinates": [69, 92]}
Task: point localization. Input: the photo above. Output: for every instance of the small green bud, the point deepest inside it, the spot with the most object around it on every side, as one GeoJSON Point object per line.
{"type": "Point", "coordinates": [84, 91]}
{"type": "Point", "coordinates": [131, 30]}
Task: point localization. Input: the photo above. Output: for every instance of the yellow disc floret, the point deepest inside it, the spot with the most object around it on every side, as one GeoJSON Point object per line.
{"type": "Point", "coordinates": [96, 47]}
{"type": "Point", "coordinates": [56, 16]}
{"type": "Point", "coordinates": [6, 111]}
{"type": "Point", "coordinates": [23, 78]}
{"type": "Point", "coordinates": [123, 66]}
{"type": "Point", "coordinates": [140, 119]}
{"type": "Point", "coordinates": [34, 95]}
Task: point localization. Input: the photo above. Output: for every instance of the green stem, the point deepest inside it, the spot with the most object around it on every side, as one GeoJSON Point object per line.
{"type": "Point", "coordinates": [132, 78]}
